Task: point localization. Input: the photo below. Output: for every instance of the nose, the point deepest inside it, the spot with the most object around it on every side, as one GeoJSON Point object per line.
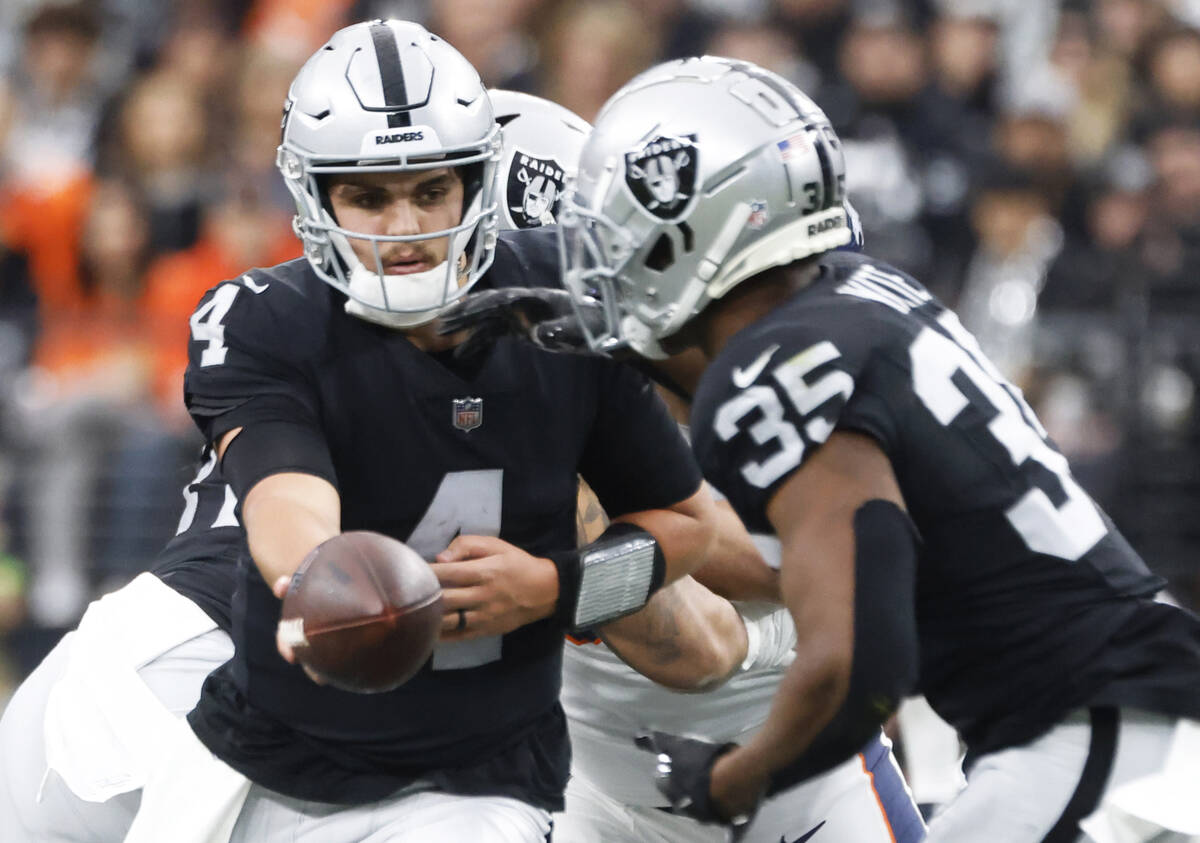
{"type": "Point", "coordinates": [403, 218]}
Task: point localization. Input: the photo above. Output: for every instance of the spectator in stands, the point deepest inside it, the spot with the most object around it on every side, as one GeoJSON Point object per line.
{"type": "Point", "coordinates": [50, 108]}
{"type": "Point", "coordinates": [162, 148]}
{"type": "Point", "coordinates": [593, 48]}
{"type": "Point", "coordinates": [89, 385]}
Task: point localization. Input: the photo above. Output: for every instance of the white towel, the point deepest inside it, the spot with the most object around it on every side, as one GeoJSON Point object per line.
{"type": "Point", "coordinates": [104, 728]}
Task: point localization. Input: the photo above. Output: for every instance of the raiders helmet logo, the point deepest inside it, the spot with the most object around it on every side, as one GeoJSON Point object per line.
{"type": "Point", "coordinates": [534, 187]}
{"type": "Point", "coordinates": [661, 174]}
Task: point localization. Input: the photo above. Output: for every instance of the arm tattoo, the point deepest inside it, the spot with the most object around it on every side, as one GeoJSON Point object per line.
{"type": "Point", "coordinates": [590, 520]}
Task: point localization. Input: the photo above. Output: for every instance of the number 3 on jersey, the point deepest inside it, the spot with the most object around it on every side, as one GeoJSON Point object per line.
{"type": "Point", "coordinates": [1067, 531]}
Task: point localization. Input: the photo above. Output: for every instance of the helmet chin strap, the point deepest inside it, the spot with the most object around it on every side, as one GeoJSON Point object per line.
{"type": "Point", "coordinates": [387, 318]}
{"type": "Point", "coordinates": [399, 301]}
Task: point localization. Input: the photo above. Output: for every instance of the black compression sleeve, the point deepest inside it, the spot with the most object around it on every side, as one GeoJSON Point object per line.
{"type": "Point", "coordinates": [267, 448]}
{"type": "Point", "coordinates": [885, 664]}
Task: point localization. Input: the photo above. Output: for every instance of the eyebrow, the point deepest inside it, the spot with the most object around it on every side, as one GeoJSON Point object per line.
{"type": "Point", "coordinates": [350, 180]}
{"type": "Point", "coordinates": [436, 181]}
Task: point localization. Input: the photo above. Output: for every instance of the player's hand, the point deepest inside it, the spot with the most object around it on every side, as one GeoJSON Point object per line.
{"type": "Point", "coordinates": [490, 587]}
{"type": "Point", "coordinates": [540, 315]}
{"type": "Point", "coordinates": [684, 775]}
{"type": "Point", "coordinates": [280, 588]}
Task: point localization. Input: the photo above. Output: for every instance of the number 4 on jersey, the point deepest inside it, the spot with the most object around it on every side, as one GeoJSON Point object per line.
{"type": "Point", "coordinates": [207, 327]}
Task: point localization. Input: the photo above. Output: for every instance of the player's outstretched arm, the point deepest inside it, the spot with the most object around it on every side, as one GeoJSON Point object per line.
{"type": "Point", "coordinates": [286, 515]}
{"type": "Point", "coordinates": [838, 515]}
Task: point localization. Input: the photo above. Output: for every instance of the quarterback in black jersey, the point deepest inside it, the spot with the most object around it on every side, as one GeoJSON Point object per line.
{"type": "Point", "coordinates": [934, 540]}
{"type": "Point", "coordinates": [330, 403]}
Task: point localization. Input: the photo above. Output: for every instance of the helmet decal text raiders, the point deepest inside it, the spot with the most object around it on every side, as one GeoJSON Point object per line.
{"type": "Point", "coordinates": [661, 174]}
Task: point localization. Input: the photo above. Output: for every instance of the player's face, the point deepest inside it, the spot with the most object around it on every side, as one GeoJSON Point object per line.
{"type": "Point", "coordinates": [399, 204]}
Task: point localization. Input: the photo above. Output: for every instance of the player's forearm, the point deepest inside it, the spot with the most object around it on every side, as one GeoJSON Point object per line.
{"type": "Point", "coordinates": [807, 699]}
{"type": "Point", "coordinates": [286, 516]}
{"type": "Point", "coordinates": [735, 569]}
{"type": "Point", "coordinates": [685, 532]}
{"type": "Point", "coordinates": [686, 637]}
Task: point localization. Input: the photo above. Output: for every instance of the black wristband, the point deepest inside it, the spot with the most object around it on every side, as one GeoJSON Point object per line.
{"type": "Point", "coordinates": [614, 575]}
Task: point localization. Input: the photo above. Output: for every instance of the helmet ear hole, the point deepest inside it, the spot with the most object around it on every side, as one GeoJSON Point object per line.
{"type": "Point", "coordinates": [662, 255]}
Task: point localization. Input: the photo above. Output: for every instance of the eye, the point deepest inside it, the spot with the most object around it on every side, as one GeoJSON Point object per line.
{"type": "Point", "coordinates": [432, 195]}
{"type": "Point", "coordinates": [370, 200]}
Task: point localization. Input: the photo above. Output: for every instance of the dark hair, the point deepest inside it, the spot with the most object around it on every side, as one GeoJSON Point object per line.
{"type": "Point", "coordinates": [78, 19]}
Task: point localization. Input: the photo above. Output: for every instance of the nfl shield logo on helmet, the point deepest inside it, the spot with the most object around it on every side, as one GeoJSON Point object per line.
{"type": "Point", "coordinates": [758, 214]}
{"type": "Point", "coordinates": [468, 413]}
{"type": "Point", "coordinates": [661, 174]}
{"type": "Point", "coordinates": [534, 187]}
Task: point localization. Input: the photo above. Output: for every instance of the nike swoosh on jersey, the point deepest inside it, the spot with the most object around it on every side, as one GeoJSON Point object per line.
{"type": "Point", "coordinates": [805, 836]}
{"type": "Point", "coordinates": [253, 285]}
{"type": "Point", "coordinates": [742, 378]}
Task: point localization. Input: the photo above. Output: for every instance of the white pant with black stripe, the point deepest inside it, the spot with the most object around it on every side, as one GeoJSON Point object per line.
{"type": "Point", "coordinates": [1077, 772]}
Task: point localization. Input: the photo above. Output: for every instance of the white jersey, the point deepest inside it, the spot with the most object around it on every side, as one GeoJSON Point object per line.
{"type": "Point", "coordinates": [607, 703]}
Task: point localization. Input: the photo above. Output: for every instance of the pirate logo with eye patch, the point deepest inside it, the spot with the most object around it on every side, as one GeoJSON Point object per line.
{"type": "Point", "coordinates": [661, 174]}
{"type": "Point", "coordinates": [534, 187]}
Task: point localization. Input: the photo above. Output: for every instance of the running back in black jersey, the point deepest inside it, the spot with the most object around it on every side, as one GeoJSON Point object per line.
{"type": "Point", "coordinates": [422, 448]}
{"type": "Point", "coordinates": [1029, 602]}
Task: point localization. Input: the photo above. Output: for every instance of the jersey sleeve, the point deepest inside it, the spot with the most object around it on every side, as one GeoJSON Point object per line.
{"type": "Point", "coordinates": [636, 458]}
{"type": "Point", "coordinates": [246, 357]}
{"type": "Point", "coordinates": [774, 396]}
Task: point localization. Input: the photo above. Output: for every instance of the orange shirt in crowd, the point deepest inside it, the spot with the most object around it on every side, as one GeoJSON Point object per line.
{"type": "Point", "coordinates": [174, 285]}
{"type": "Point", "coordinates": [47, 226]}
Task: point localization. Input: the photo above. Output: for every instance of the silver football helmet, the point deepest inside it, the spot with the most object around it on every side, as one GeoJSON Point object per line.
{"type": "Point", "coordinates": [388, 96]}
{"type": "Point", "coordinates": [541, 146]}
{"type": "Point", "coordinates": [699, 173]}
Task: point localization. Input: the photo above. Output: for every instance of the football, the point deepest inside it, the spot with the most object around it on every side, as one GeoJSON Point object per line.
{"type": "Point", "coordinates": [363, 611]}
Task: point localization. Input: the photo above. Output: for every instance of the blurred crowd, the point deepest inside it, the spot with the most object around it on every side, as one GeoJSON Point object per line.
{"type": "Point", "coordinates": [1035, 162]}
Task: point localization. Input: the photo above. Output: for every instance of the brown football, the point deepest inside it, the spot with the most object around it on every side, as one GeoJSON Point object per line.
{"type": "Point", "coordinates": [363, 611]}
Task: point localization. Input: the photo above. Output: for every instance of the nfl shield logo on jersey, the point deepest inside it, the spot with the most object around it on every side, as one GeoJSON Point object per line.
{"type": "Point", "coordinates": [468, 413]}
{"type": "Point", "coordinates": [534, 185]}
{"type": "Point", "coordinates": [661, 174]}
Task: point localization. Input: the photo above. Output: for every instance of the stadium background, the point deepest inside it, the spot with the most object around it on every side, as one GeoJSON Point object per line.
{"type": "Point", "coordinates": [1035, 162]}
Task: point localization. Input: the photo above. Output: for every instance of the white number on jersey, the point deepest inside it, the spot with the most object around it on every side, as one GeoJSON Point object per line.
{"type": "Point", "coordinates": [465, 502]}
{"type": "Point", "coordinates": [191, 500]}
{"type": "Point", "coordinates": [207, 327]}
{"type": "Point", "coordinates": [1067, 531]}
{"type": "Point", "coordinates": [805, 397]}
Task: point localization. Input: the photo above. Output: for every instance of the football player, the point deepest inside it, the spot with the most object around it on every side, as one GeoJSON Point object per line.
{"type": "Point", "coordinates": [933, 539]}
{"type": "Point", "coordinates": [611, 795]}
{"type": "Point", "coordinates": [330, 403]}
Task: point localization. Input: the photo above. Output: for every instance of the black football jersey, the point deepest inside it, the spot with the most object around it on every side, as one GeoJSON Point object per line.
{"type": "Point", "coordinates": [1029, 602]}
{"type": "Point", "coordinates": [422, 448]}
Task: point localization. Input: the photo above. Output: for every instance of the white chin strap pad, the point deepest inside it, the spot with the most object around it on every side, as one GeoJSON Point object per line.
{"type": "Point", "coordinates": [390, 319]}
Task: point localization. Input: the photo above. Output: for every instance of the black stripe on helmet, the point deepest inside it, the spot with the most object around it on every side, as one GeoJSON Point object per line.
{"type": "Point", "coordinates": [827, 178]}
{"type": "Point", "coordinates": [817, 136]}
{"type": "Point", "coordinates": [391, 73]}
